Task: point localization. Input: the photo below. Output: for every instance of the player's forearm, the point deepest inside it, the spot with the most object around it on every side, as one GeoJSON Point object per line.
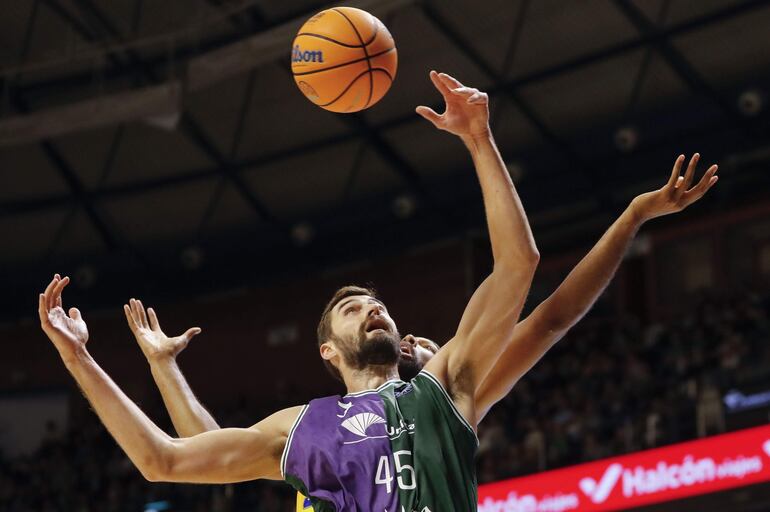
{"type": "Point", "coordinates": [509, 232]}
{"type": "Point", "coordinates": [536, 334]}
{"type": "Point", "coordinates": [583, 286]}
{"type": "Point", "coordinates": [187, 413]}
{"type": "Point", "coordinates": [145, 444]}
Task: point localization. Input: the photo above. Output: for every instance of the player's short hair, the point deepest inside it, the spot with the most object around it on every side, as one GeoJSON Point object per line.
{"type": "Point", "coordinates": [324, 330]}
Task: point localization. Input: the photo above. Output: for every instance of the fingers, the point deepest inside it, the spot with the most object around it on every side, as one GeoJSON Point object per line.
{"type": "Point", "coordinates": [449, 81]}
{"type": "Point", "coordinates": [471, 95]}
{"type": "Point", "coordinates": [154, 324]}
{"type": "Point", "coordinates": [142, 313]}
{"type": "Point", "coordinates": [439, 84]}
{"type": "Point", "coordinates": [704, 181]}
{"type": "Point", "coordinates": [137, 311]}
{"type": "Point", "coordinates": [429, 114]}
{"type": "Point", "coordinates": [675, 171]}
{"type": "Point", "coordinates": [707, 181]}
{"type": "Point", "coordinates": [688, 175]}
{"type": "Point", "coordinates": [55, 299]}
{"type": "Point", "coordinates": [193, 331]}
{"type": "Point", "coordinates": [42, 310]}
{"type": "Point", "coordinates": [129, 317]}
{"type": "Point", "coordinates": [49, 290]}
{"type": "Point", "coordinates": [478, 98]}
{"type": "Point", "coordinates": [75, 314]}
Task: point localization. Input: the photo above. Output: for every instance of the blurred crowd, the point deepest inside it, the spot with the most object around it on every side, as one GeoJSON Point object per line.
{"type": "Point", "coordinates": [611, 386]}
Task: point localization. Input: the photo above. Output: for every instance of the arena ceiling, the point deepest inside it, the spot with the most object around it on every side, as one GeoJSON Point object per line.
{"type": "Point", "coordinates": [165, 145]}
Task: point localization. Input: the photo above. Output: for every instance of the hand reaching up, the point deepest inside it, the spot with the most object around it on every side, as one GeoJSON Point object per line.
{"type": "Point", "coordinates": [152, 340]}
{"type": "Point", "coordinates": [467, 109]}
{"type": "Point", "coordinates": [67, 331]}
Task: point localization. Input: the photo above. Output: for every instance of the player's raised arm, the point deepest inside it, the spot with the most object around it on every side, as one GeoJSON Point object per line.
{"type": "Point", "coordinates": [574, 297]}
{"type": "Point", "coordinates": [488, 321]}
{"type": "Point", "coordinates": [187, 413]}
{"type": "Point", "coordinates": [227, 455]}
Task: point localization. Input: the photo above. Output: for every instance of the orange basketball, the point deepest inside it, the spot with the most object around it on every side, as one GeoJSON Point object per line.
{"type": "Point", "coordinates": [344, 59]}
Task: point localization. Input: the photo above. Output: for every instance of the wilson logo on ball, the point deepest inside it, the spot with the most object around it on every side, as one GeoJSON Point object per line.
{"type": "Point", "coordinates": [298, 55]}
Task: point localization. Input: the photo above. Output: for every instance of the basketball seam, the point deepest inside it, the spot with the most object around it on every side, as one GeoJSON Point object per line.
{"type": "Point", "coordinates": [390, 77]}
{"type": "Point", "coordinates": [319, 36]}
{"type": "Point", "coordinates": [303, 73]}
{"type": "Point", "coordinates": [368, 62]}
{"type": "Point", "coordinates": [345, 90]}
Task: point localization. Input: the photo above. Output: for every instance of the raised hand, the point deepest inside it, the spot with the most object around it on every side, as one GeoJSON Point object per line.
{"type": "Point", "coordinates": [467, 109]}
{"type": "Point", "coordinates": [68, 332]}
{"type": "Point", "coordinates": [676, 195]}
{"type": "Point", "coordinates": [146, 328]}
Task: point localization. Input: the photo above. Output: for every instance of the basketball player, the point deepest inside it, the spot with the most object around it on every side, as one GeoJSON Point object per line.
{"type": "Point", "coordinates": [532, 338]}
{"type": "Point", "coordinates": [386, 445]}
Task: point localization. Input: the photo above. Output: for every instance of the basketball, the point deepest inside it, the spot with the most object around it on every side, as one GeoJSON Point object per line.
{"type": "Point", "coordinates": [344, 59]}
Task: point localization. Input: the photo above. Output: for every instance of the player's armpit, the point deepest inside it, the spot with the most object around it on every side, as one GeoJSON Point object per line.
{"type": "Point", "coordinates": [486, 327]}
{"type": "Point", "coordinates": [230, 454]}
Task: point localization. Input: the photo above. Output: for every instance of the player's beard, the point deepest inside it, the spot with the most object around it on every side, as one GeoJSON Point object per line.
{"type": "Point", "coordinates": [408, 369]}
{"type": "Point", "coordinates": [380, 350]}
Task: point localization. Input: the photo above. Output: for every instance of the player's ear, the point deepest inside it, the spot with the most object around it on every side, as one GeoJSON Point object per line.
{"type": "Point", "coordinates": [328, 350]}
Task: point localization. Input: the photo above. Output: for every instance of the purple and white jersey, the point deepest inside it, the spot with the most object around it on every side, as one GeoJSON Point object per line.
{"type": "Point", "coordinates": [400, 448]}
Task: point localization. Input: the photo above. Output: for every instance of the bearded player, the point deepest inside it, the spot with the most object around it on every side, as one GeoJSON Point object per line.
{"type": "Point", "coordinates": [386, 445]}
{"type": "Point", "coordinates": [532, 338]}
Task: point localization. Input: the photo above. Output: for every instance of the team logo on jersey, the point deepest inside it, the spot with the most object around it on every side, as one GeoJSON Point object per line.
{"type": "Point", "coordinates": [394, 432]}
{"type": "Point", "coordinates": [360, 423]}
{"type": "Point", "coordinates": [345, 408]}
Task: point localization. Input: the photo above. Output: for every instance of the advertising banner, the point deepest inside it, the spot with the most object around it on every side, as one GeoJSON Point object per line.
{"type": "Point", "coordinates": [652, 476]}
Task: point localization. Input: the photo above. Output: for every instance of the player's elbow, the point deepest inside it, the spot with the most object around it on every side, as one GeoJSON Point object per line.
{"type": "Point", "coordinates": [519, 269]}
{"type": "Point", "coordinates": [524, 257]}
{"type": "Point", "coordinates": [531, 256]}
{"type": "Point", "coordinates": [158, 466]}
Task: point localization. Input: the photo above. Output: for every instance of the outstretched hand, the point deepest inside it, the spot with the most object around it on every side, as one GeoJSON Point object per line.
{"type": "Point", "coordinates": [676, 195]}
{"type": "Point", "coordinates": [146, 329]}
{"type": "Point", "coordinates": [467, 109]}
{"type": "Point", "coordinates": [68, 332]}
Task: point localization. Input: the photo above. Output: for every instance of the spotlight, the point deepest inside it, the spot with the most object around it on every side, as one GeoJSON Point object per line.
{"type": "Point", "coordinates": [192, 257]}
{"type": "Point", "coordinates": [302, 234]}
{"type": "Point", "coordinates": [626, 138]}
{"type": "Point", "coordinates": [751, 102]}
{"type": "Point", "coordinates": [404, 206]}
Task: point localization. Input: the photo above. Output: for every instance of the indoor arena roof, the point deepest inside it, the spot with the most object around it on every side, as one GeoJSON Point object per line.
{"type": "Point", "coordinates": [159, 139]}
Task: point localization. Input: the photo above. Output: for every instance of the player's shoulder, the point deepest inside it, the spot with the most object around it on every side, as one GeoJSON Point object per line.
{"type": "Point", "coordinates": [280, 422]}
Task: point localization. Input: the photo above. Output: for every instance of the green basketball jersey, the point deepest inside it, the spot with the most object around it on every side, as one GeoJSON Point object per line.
{"type": "Point", "coordinates": [403, 447]}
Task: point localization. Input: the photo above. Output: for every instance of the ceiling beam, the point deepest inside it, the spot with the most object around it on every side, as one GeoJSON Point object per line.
{"type": "Point", "coordinates": [680, 65]}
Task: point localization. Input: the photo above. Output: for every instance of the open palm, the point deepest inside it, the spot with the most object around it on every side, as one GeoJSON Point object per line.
{"type": "Point", "coordinates": [151, 338]}
{"type": "Point", "coordinates": [676, 194]}
{"type": "Point", "coordinates": [67, 331]}
{"type": "Point", "coordinates": [467, 109]}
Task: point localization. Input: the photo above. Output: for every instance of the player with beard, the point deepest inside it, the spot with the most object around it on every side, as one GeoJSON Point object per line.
{"type": "Point", "coordinates": [533, 336]}
{"type": "Point", "coordinates": [386, 445]}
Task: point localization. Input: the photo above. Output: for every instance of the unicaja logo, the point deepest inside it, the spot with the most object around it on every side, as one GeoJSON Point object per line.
{"type": "Point", "coordinates": [359, 423]}
{"type": "Point", "coordinates": [299, 55]}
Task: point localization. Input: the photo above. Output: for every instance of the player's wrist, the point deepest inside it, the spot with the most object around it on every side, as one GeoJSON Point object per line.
{"type": "Point", "coordinates": [639, 213]}
{"type": "Point", "coordinates": [161, 358]}
{"type": "Point", "coordinates": [475, 137]}
{"type": "Point", "coordinates": [75, 356]}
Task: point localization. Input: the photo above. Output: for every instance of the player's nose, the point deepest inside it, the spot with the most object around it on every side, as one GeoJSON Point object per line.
{"type": "Point", "coordinates": [410, 339]}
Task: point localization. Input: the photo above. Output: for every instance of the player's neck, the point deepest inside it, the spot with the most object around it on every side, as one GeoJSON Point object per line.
{"type": "Point", "coordinates": [371, 377]}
